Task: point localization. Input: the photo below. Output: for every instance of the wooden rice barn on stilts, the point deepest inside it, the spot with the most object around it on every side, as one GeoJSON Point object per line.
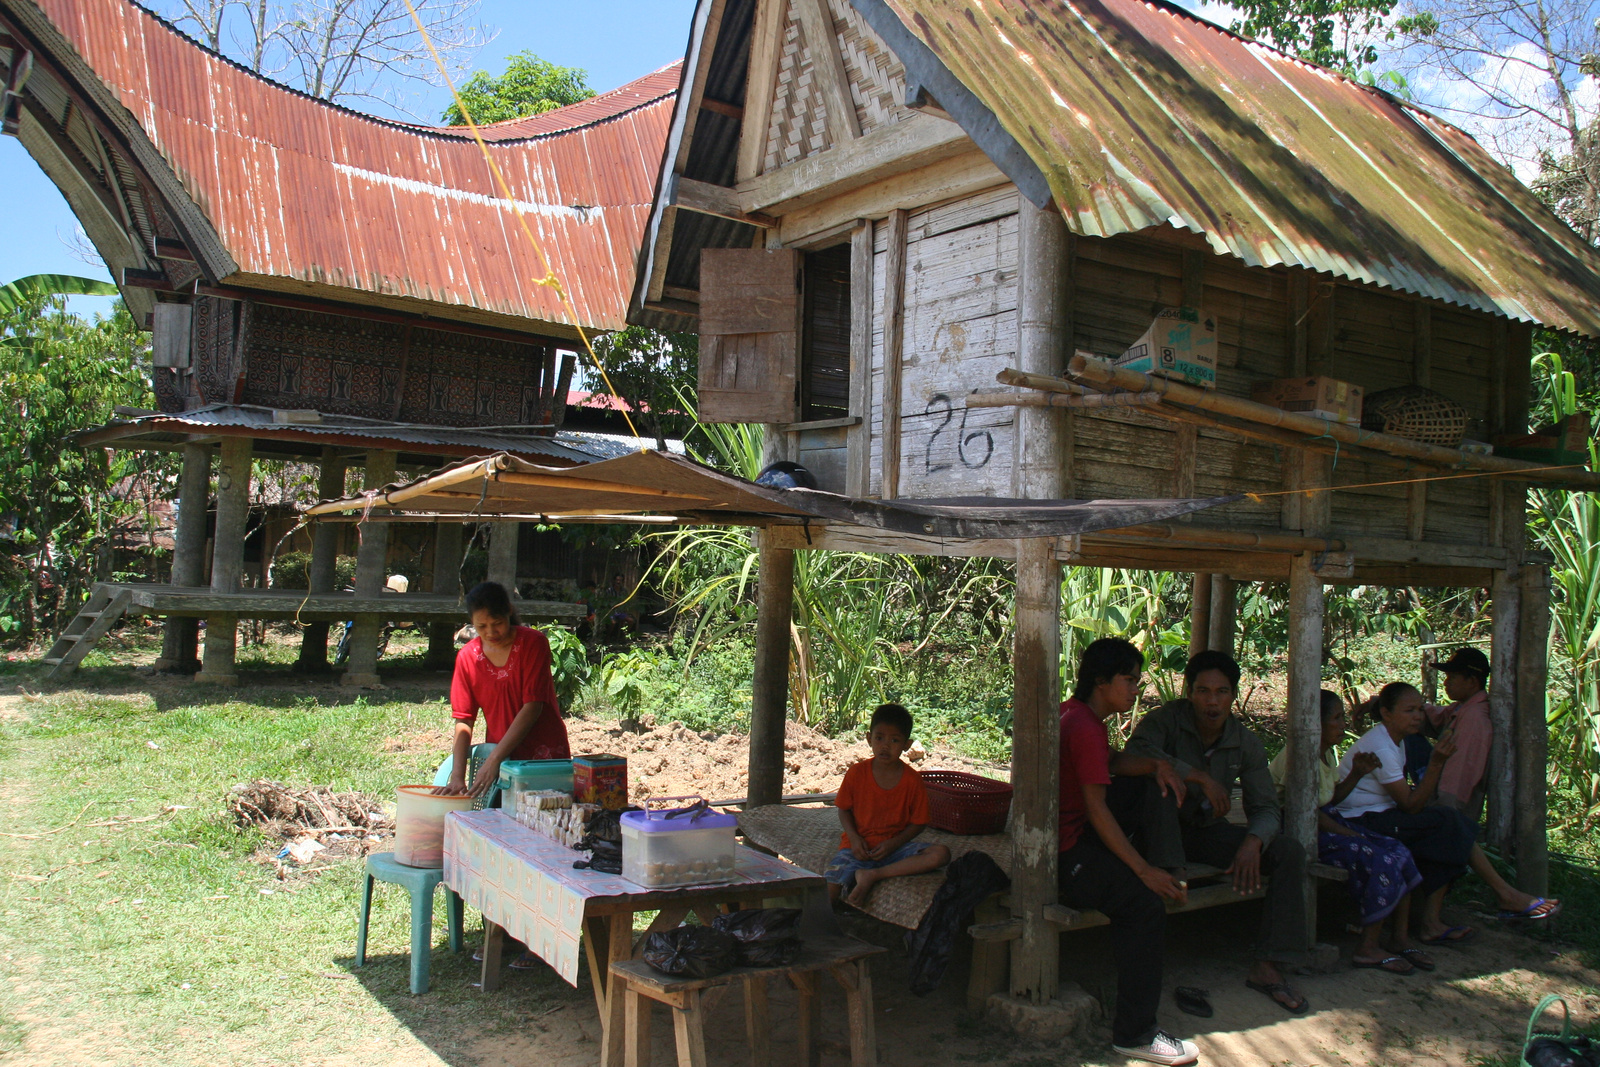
{"type": "Point", "coordinates": [878, 213]}
{"type": "Point", "coordinates": [324, 286]}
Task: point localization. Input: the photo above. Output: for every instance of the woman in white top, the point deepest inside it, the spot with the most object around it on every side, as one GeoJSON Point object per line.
{"type": "Point", "coordinates": [1440, 839]}
{"type": "Point", "coordinates": [1382, 874]}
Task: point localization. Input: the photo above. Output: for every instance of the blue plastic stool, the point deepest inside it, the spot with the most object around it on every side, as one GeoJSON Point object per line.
{"type": "Point", "coordinates": [420, 882]}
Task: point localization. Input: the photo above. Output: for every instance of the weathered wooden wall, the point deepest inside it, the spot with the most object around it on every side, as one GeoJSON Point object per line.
{"type": "Point", "coordinates": [958, 328]}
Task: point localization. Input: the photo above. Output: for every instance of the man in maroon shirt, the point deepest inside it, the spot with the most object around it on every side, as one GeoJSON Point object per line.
{"type": "Point", "coordinates": [1099, 867]}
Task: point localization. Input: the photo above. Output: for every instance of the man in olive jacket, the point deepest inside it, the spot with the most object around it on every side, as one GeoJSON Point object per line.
{"type": "Point", "coordinates": [1212, 752]}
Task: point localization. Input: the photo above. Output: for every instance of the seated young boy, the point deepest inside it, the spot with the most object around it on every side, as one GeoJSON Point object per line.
{"type": "Point", "coordinates": [882, 808]}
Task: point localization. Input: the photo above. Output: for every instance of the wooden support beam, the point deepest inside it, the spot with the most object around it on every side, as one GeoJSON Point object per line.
{"type": "Point", "coordinates": [893, 149]}
{"type": "Point", "coordinates": [705, 198]}
{"type": "Point", "coordinates": [447, 542]}
{"type": "Point", "coordinates": [1043, 333]}
{"type": "Point", "coordinates": [227, 559]}
{"type": "Point", "coordinates": [180, 637]}
{"type": "Point", "coordinates": [1533, 737]}
{"type": "Point", "coordinates": [769, 700]}
{"type": "Point", "coordinates": [1200, 615]}
{"type": "Point", "coordinates": [504, 539]}
{"type": "Point", "coordinates": [1306, 608]}
{"type": "Point", "coordinates": [322, 574]}
{"type": "Point", "coordinates": [816, 22]}
{"type": "Point", "coordinates": [858, 451]}
{"type": "Point", "coordinates": [894, 313]}
{"type": "Point", "coordinates": [372, 559]}
{"type": "Point", "coordinates": [1505, 609]}
{"type": "Point", "coordinates": [1224, 613]}
{"type": "Point", "coordinates": [1421, 374]}
{"type": "Point", "coordinates": [760, 85]}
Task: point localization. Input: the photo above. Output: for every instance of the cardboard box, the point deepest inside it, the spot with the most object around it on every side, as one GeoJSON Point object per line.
{"type": "Point", "coordinates": [1181, 344]}
{"type": "Point", "coordinates": [1326, 397]}
{"type": "Point", "coordinates": [601, 779]}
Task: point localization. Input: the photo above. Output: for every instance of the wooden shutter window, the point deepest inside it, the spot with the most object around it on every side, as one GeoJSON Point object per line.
{"type": "Point", "coordinates": [750, 303]}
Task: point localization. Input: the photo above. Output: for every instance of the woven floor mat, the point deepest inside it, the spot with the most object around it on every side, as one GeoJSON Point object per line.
{"type": "Point", "coordinates": [810, 836]}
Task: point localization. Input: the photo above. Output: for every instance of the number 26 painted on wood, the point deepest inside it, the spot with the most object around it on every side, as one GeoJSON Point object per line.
{"type": "Point", "coordinates": [964, 438]}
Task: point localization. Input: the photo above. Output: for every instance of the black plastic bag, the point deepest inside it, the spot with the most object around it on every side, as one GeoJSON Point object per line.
{"type": "Point", "coordinates": [691, 952]}
{"type": "Point", "coordinates": [967, 881]}
{"type": "Point", "coordinates": [1555, 1052]}
{"type": "Point", "coordinates": [759, 924]}
{"type": "Point", "coordinates": [604, 856]}
{"type": "Point", "coordinates": [778, 952]}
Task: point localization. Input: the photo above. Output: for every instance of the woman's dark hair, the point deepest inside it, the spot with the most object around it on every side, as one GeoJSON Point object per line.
{"type": "Point", "coordinates": [893, 714]}
{"type": "Point", "coordinates": [1332, 704]}
{"type": "Point", "coordinates": [1390, 695]}
{"type": "Point", "coordinates": [1211, 660]}
{"type": "Point", "coordinates": [1102, 661]}
{"type": "Point", "coordinates": [493, 598]}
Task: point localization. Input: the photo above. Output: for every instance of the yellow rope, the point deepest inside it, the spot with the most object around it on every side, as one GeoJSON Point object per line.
{"type": "Point", "coordinates": [1258, 497]}
{"type": "Point", "coordinates": [550, 279]}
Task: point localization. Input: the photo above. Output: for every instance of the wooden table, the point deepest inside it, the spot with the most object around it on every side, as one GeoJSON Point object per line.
{"type": "Point", "coordinates": [524, 884]}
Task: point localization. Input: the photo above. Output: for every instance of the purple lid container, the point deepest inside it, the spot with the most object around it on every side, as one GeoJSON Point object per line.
{"type": "Point", "coordinates": [658, 822]}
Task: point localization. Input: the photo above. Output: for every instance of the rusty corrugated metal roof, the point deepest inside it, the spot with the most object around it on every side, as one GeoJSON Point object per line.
{"type": "Point", "coordinates": [300, 189]}
{"type": "Point", "coordinates": [1138, 114]}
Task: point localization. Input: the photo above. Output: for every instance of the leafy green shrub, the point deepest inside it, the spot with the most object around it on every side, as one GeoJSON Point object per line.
{"type": "Point", "coordinates": [292, 570]}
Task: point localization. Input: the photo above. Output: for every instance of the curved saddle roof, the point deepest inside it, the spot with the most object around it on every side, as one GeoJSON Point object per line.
{"type": "Point", "coordinates": [269, 188]}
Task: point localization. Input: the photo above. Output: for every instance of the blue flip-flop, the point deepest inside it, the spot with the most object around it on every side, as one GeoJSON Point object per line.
{"type": "Point", "coordinates": [1456, 935]}
{"type": "Point", "coordinates": [1528, 912]}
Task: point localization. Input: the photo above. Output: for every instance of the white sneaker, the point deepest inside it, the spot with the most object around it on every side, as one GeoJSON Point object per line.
{"type": "Point", "coordinates": [1163, 1048]}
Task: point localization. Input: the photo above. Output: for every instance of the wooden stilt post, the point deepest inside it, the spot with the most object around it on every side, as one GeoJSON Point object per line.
{"type": "Point", "coordinates": [1224, 609]}
{"type": "Point", "coordinates": [372, 560]}
{"type": "Point", "coordinates": [1044, 304]}
{"type": "Point", "coordinates": [227, 559]}
{"type": "Point", "coordinates": [324, 562]}
{"type": "Point", "coordinates": [1200, 615]}
{"type": "Point", "coordinates": [180, 637]}
{"type": "Point", "coordinates": [769, 702]}
{"type": "Point", "coordinates": [503, 540]}
{"type": "Point", "coordinates": [446, 580]}
{"type": "Point", "coordinates": [1533, 856]}
{"type": "Point", "coordinates": [1506, 608]}
{"type": "Point", "coordinates": [1306, 607]}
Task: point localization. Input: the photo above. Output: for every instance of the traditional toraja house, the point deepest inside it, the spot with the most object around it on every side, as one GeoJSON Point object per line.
{"type": "Point", "coordinates": [873, 209]}
{"type": "Point", "coordinates": [324, 285]}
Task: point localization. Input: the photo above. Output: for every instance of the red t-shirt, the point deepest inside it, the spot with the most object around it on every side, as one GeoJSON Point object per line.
{"type": "Point", "coordinates": [501, 692]}
{"type": "Point", "coordinates": [1085, 760]}
{"type": "Point", "coordinates": [881, 813]}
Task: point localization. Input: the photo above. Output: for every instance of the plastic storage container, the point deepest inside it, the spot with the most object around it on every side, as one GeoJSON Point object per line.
{"type": "Point", "coordinates": [682, 847]}
{"type": "Point", "coordinates": [419, 825]}
{"type": "Point", "coordinates": [528, 775]}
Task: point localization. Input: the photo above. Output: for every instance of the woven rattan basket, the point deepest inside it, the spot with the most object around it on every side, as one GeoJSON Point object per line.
{"type": "Point", "coordinates": [1416, 414]}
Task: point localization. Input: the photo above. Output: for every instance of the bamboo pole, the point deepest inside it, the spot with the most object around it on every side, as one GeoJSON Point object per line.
{"type": "Point", "coordinates": [1092, 369]}
{"type": "Point", "coordinates": [1075, 402]}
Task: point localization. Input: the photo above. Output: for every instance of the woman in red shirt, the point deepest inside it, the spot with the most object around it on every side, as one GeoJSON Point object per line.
{"type": "Point", "coordinates": [504, 672]}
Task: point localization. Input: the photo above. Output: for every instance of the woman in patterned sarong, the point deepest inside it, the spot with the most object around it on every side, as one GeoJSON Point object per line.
{"type": "Point", "coordinates": [1382, 872]}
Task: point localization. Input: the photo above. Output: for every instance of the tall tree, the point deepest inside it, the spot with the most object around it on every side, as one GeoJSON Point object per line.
{"type": "Point", "coordinates": [653, 371]}
{"type": "Point", "coordinates": [62, 505]}
{"type": "Point", "coordinates": [344, 51]}
{"type": "Point", "coordinates": [1519, 74]}
{"type": "Point", "coordinates": [1341, 34]}
{"type": "Point", "coordinates": [530, 86]}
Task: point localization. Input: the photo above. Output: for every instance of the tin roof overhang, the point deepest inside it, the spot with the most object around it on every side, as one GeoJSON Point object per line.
{"type": "Point", "coordinates": [655, 484]}
{"type": "Point", "coordinates": [1129, 114]}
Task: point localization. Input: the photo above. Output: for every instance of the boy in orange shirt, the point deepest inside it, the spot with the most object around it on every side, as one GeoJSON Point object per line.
{"type": "Point", "coordinates": [882, 808]}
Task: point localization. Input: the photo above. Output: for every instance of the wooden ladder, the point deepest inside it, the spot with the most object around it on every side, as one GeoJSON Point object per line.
{"type": "Point", "coordinates": [106, 604]}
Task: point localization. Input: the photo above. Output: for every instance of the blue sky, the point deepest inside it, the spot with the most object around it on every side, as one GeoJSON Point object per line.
{"type": "Point", "coordinates": [614, 40]}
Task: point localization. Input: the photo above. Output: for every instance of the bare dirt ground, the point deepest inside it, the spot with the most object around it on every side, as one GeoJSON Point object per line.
{"type": "Point", "coordinates": [1471, 1011]}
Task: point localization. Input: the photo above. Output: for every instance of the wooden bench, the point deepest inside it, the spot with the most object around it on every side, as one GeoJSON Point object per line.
{"type": "Point", "coordinates": [690, 998]}
{"type": "Point", "coordinates": [995, 927]}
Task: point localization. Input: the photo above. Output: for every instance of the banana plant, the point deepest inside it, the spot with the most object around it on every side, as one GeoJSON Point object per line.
{"type": "Point", "coordinates": [21, 302]}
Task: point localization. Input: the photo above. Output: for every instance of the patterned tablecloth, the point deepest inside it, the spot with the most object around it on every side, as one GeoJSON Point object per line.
{"type": "Point", "coordinates": [524, 881]}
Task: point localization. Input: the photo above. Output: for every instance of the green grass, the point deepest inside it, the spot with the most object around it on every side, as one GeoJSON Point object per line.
{"type": "Point", "coordinates": [163, 928]}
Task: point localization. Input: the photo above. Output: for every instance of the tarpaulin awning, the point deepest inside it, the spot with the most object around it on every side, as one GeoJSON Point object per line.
{"type": "Point", "coordinates": [663, 486]}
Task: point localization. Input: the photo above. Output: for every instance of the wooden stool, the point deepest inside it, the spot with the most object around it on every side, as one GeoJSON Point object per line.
{"type": "Point", "coordinates": [690, 998]}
